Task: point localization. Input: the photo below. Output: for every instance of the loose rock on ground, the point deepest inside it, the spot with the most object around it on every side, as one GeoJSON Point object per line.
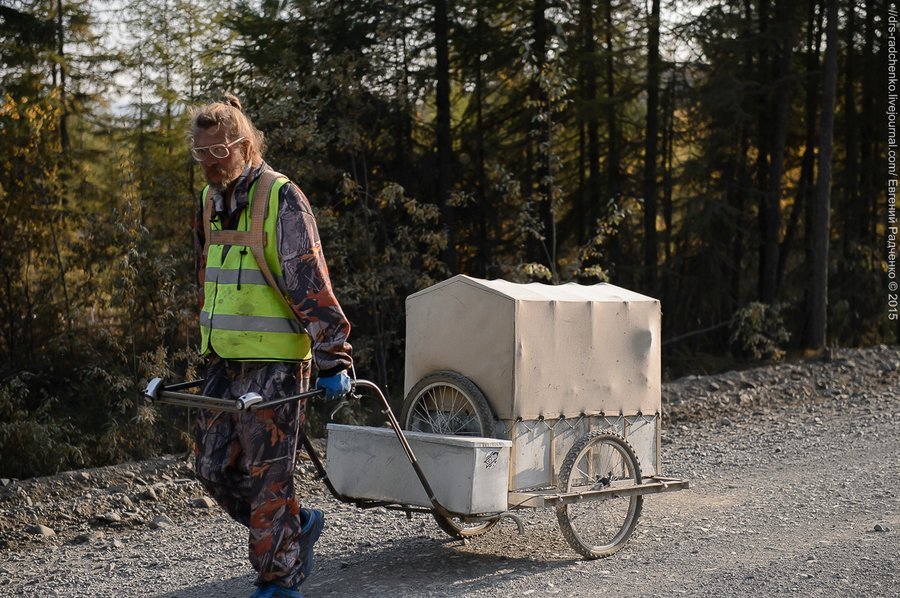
{"type": "Point", "coordinates": [795, 491]}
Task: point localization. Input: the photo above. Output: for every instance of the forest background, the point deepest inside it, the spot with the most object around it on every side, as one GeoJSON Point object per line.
{"type": "Point", "coordinates": [727, 157]}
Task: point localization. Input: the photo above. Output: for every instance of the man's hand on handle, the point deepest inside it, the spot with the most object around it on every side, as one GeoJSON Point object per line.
{"type": "Point", "coordinates": [335, 386]}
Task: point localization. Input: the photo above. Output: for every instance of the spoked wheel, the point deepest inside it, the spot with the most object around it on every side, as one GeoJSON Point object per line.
{"type": "Point", "coordinates": [449, 403]}
{"type": "Point", "coordinates": [599, 527]}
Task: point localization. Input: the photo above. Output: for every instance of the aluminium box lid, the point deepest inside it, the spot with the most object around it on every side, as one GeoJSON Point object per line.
{"type": "Point", "coordinates": [423, 437]}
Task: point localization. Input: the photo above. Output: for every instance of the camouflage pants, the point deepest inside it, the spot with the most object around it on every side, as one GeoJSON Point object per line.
{"type": "Point", "coordinates": [246, 461]}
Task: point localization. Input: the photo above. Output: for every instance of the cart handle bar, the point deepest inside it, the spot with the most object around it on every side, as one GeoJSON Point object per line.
{"type": "Point", "coordinates": [158, 392]}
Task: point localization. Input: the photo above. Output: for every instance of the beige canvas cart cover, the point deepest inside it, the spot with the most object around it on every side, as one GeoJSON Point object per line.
{"type": "Point", "coordinates": [539, 350]}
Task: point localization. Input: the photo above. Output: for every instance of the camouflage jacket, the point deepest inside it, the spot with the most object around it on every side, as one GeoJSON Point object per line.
{"type": "Point", "coordinates": [302, 264]}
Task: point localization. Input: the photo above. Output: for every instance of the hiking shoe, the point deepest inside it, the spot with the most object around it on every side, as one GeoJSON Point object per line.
{"type": "Point", "coordinates": [313, 522]}
{"type": "Point", "coordinates": [271, 590]}
{"type": "Point", "coordinates": [264, 591]}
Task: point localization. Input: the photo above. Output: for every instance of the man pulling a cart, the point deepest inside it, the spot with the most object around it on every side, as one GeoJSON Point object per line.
{"type": "Point", "coordinates": [268, 310]}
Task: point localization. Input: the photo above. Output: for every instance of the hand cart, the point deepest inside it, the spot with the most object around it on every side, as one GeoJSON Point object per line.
{"type": "Point", "coordinates": [481, 405]}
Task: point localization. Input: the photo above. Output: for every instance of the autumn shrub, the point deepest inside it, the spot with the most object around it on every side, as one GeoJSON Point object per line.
{"type": "Point", "coordinates": [758, 330]}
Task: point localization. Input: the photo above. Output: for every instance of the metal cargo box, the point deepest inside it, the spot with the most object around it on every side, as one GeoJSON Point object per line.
{"type": "Point", "coordinates": [539, 351]}
{"type": "Point", "coordinates": [468, 475]}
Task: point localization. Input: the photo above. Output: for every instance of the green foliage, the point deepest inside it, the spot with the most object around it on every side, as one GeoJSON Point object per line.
{"type": "Point", "coordinates": [759, 330]}
{"type": "Point", "coordinates": [588, 264]}
{"type": "Point", "coordinates": [89, 233]}
{"type": "Point", "coordinates": [396, 249]}
{"type": "Point", "coordinates": [84, 407]}
{"type": "Point", "coordinates": [547, 127]}
{"type": "Point", "coordinates": [32, 440]}
{"type": "Point", "coordinates": [30, 253]}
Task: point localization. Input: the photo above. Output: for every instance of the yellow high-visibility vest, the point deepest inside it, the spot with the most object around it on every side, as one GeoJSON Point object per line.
{"type": "Point", "coordinates": [243, 316]}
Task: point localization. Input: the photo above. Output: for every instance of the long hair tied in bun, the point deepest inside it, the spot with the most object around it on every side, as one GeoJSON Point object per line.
{"type": "Point", "coordinates": [232, 100]}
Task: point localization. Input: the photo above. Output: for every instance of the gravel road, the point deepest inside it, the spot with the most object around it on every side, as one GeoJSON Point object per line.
{"type": "Point", "coordinates": [795, 491]}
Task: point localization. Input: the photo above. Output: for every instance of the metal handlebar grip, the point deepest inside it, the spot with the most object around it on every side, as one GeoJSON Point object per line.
{"type": "Point", "coordinates": [247, 400]}
{"type": "Point", "coordinates": [151, 393]}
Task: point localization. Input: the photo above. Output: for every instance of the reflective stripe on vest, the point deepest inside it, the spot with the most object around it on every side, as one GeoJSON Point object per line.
{"type": "Point", "coordinates": [242, 316]}
{"type": "Point", "coordinates": [243, 276]}
{"type": "Point", "coordinates": [251, 323]}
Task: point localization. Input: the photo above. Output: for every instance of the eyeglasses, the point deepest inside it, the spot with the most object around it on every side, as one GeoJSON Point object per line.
{"type": "Point", "coordinates": [219, 150]}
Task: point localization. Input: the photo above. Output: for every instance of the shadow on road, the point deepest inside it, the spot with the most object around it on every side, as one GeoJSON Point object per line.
{"type": "Point", "coordinates": [236, 587]}
{"type": "Point", "coordinates": [439, 568]}
{"type": "Point", "coordinates": [444, 568]}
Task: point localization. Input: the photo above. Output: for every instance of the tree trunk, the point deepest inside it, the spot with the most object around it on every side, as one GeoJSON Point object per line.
{"type": "Point", "coordinates": [768, 247]}
{"type": "Point", "coordinates": [191, 164]}
{"type": "Point", "coordinates": [770, 205]}
{"type": "Point", "coordinates": [817, 302]}
{"type": "Point", "coordinates": [668, 145]}
{"type": "Point", "coordinates": [741, 182]}
{"type": "Point", "coordinates": [650, 148]}
{"type": "Point", "coordinates": [485, 256]}
{"type": "Point", "coordinates": [868, 153]}
{"type": "Point", "coordinates": [543, 144]}
{"type": "Point", "coordinates": [613, 169]}
{"type": "Point", "coordinates": [805, 187]}
{"type": "Point", "coordinates": [589, 81]}
{"type": "Point", "coordinates": [442, 130]}
{"type": "Point", "coordinates": [404, 131]}
{"type": "Point", "coordinates": [853, 216]}
{"type": "Point", "coordinates": [64, 108]}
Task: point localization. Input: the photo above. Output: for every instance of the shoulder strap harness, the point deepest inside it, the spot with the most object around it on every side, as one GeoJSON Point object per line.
{"type": "Point", "coordinates": [255, 238]}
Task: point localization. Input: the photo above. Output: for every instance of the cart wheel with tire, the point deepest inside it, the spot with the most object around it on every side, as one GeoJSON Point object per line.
{"type": "Point", "coordinates": [599, 461]}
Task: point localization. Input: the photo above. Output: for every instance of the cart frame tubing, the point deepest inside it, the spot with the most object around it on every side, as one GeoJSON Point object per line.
{"type": "Point", "coordinates": [650, 485]}
{"type": "Point", "coordinates": [158, 392]}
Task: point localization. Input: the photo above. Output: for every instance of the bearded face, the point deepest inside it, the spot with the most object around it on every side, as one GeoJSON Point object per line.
{"type": "Point", "coordinates": [220, 172]}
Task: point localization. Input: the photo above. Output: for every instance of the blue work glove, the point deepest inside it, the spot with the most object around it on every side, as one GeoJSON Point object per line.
{"type": "Point", "coordinates": [335, 386]}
